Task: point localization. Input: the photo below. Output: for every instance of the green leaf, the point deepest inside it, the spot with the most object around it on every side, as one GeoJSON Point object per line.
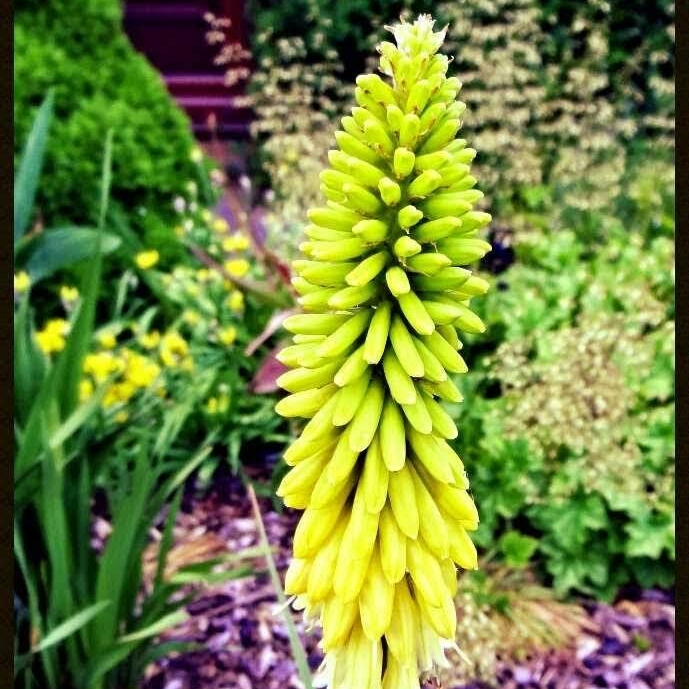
{"type": "Point", "coordinates": [55, 249]}
{"type": "Point", "coordinates": [70, 626]}
{"type": "Point", "coordinates": [181, 578]}
{"type": "Point", "coordinates": [517, 548]}
{"type": "Point", "coordinates": [29, 364]}
{"type": "Point", "coordinates": [68, 368]}
{"type": "Point", "coordinates": [156, 628]}
{"type": "Point", "coordinates": [650, 535]}
{"type": "Point", "coordinates": [26, 182]}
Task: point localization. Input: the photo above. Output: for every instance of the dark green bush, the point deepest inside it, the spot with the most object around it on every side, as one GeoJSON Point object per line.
{"type": "Point", "coordinates": [100, 82]}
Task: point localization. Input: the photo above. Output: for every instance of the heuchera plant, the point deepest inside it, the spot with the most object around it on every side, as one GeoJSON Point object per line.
{"type": "Point", "coordinates": [387, 508]}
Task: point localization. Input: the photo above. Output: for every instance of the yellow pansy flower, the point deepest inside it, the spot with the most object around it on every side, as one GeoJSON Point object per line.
{"type": "Point", "coordinates": [147, 259]}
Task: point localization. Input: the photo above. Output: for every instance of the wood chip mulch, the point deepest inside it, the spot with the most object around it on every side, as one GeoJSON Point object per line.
{"type": "Point", "coordinates": [242, 640]}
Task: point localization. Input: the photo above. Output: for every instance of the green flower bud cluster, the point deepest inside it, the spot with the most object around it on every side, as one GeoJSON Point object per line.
{"type": "Point", "coordinates": [387, 508]}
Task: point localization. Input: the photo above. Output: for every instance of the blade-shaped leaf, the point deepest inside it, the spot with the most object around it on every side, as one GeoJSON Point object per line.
{"type": "Point", "coordinates": [30, 166]}
{"type": "Point", "coordinates": [70, 625]}
{"type": "Point", "coordinates": [58, 248]}
{"type": "Point", "coordinates": [159, 626]}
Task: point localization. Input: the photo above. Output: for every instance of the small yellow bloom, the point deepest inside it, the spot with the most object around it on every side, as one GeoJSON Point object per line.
{"type": "Point", "coordinates": [107, 340]}
{"type": "Point", "coordinates": [191, 317]}
{"type": "Point", "coordinates": [219, 225]}
{"type": "Point", "coordinates": [121, 416]}
{"type": "Point", "coordinates": [49, 342]}
{"type": "Point", "coordinates": [22, 282]}
{"type": "Point", "coordinates": [150, 340]}
{"type": "Point", "coordinates": [235, 301]}
{"type": "Point", "coordinates": [236, 242]}
{"type": "Point", "coordinates": [118, 393]}
{"type": "Point", "coordinates": [227, 335]}
{"type": "Point", "coordinates": [68, 294]}
{"type": "Point", "coordinates": [237, 267]}
{"type": "Point", "coordinates": [102, 364]}
{"type": "Point", "coordinates": [52, 337]}
{"type": "Point", "coordinates": [206, 216]}
{"type": "Point", "coordinates": [196, 155]}
{"type": "Point", "coordinates": [141, 371]}
{"type": "Point", "coordinates": [203, 275]}
{"type": "Point", "coordinates": [85, 389]}
{"type": "Point", "coordinates": [212, 405]}
{"type": "Point", "coordinates": [173, 349]}
{"type": "Point", "coordinates": [147, 259]}
{"type": "Point", "coordinates": [57, 326]}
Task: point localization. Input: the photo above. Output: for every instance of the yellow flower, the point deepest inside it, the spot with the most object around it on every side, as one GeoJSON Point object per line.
{"type": "Point", "coordinates": [203, 275]}
{"type": "Point", "coordinates": [22, 282]}
{"type": "Point", "coordinates": [121, 416]}
{"type": "Point", "coordinates": [191, 317]}
{"type": "Point", "coordinates": [85, 389]}
{"type": "Point", "coordinates": [236, 242]}
{"type": "Point", "coordinates": [223, 403]}
{"type": "Point", "coordinates": [206, 215]}
{"type": "Point", "coordinates": [235, 301]}
{"type": "Point", "coordinates": [220, 225]}
{"type": "Point", "coordinates": [196, 155]}
{"type": "Point", "coordinates": [150, 340]}
{"type": "Point", "coordinates": [227, 335]}
{"type": "Point", "coordinates": [102, 364]}
{"type": "Point", "coordinates": [147, 259]}
{"type": "Point", "coordinates": [68, 294]}
{"type": "Point", "coordinates": [212, 405]}
{"type": "Point", "coordinates": [141, 371]}
{"type": "Point", "coordinates": [173, 349]}
{"type": "Point", "coordinates": [118, 393]}
{"type": "Point", "coordinates": [107, 340]}
{"type": "Point", "coordinates": [237, 267]}
{"type": "Point", "coordinates": [52, 337]}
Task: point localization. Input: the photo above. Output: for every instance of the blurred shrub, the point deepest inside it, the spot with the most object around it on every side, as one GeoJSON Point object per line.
{"type": "Point", "coordinates": [100, 82]}
{"type": "Point", "coordinates": [568, 428]}
{"type": "Point", "coordinates": [344, 29]}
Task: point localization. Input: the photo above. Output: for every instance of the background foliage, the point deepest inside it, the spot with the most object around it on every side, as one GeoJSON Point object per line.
{"type": "Point", "coordinates": [80, 50]}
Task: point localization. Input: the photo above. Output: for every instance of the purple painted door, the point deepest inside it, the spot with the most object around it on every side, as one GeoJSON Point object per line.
{"type": "Point", "coordinates": [171, 35]}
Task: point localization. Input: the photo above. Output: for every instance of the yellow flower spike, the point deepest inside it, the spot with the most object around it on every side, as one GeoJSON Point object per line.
{"type": "Point", "coordinates": [384, 294]}
{"type": "Point", "coordinates": [147, 259]}
{"type": "Point", "coordinates": [22, 282]}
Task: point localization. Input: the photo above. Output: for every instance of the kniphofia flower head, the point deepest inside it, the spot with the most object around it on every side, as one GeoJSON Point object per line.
{"type": "Point", "coordinates": [387, 513]}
